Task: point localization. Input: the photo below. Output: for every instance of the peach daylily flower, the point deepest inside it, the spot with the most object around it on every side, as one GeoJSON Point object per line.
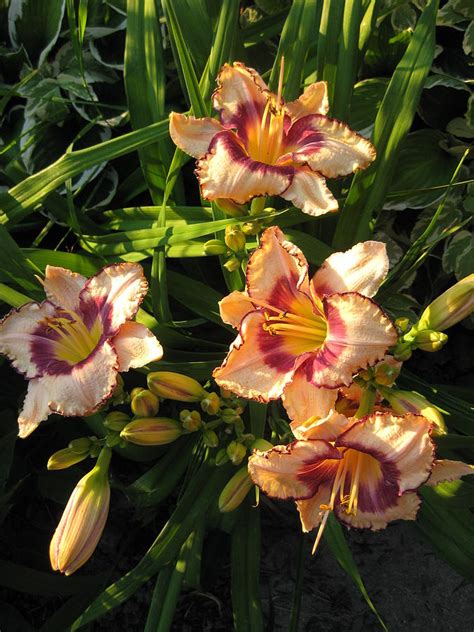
{"type": "Point", "coordinates": [72, 345]}
{"type": "Point", "coordinates": [262, 146]}
{"type": "Point", "coordinates": [297, 334]}
{"type": "Point", "coordinates": [367, 473]}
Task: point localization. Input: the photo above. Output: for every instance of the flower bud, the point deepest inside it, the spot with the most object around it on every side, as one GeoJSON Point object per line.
{"type": "Point", "coordinates": [221, 457]}
{"type": "Point", "coordinates": [387, 371]}
{"type": "Point", "coordinates": [145, 404]}
{"type": "Point", "coordinates": [236, 452]}
{"type": "Point", "coordinates": [229, 415]}
{"type": "Point", "coordinates": [211, 403]}
{"type": "Point", "coordinates": [411, 402]}
{"type": "Point", "coordinates": [451, 307]}
{"type": "Point", "coordinates": [215, 247]}
{"type": "Point", "coordinates": [232, 264]}
{"type": "Point", "coordinates": [83, 519]}
{"type": "Point", "coordinates": [80, 445]}
{"type": "Point", "coordinates": [180, 388]}
{"type": "Point", "coordinates": [402, 324]}
{"type": "Point", "coordinates": [235, 238]}
{"type": "Point", "coordinates": [235, 491]}
{"type": "Point", "coordinates": [191, 420]}
{"type": "Point", "coordinates": [210, 439]}
{"type": "Point", "coordinates": [119, 393]}
{"type": "Point", "coordinates": [135, 391]}
{"type": "Point", "coordinates": [428, 340]}
{"type": "Point", "coordinates": [116, 420]}
{"type": "Point", "coordinates": [251, 228]}
{"type": "Point", "coordinates": [152, 431]}
{"type": "Point", "coordinates": [63, 459]}
{"type": "Point", "coordinates": [230, 208]}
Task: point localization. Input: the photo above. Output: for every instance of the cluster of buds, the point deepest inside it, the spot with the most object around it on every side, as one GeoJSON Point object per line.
{"type": "Point", "coordinates": [454, 305]}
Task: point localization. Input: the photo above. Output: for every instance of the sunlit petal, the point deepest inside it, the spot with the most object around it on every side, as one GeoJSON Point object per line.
{"type": "Point", "coordinates": [234, 307]}
{"type": "Point", "coordinates": [445, 470]}
{"type": "Point", "coordinates": [193, 135]}
{"type": "Point", "coordinates": [63, 287]}
{"type": "Point", "coordinates": [136, 346]}
{"type": "Point", "coordinates": [35, 408]}
{"type": "Point", "coordinates": [360, 269]}
{"type": "Point", "coordinates": [314, 100]}
{"type": "Point", "coordinates": [309, 192]}
{"type": "Point", "coordinates": [304, 401]}
{"type": "Point", "coordinates": [404, 508]}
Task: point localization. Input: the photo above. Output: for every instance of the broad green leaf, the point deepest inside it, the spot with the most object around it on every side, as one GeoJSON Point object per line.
{"type": "Point", "coordinates": [334, 536]}
{"type": "Point", "coordinates": [394, 119]}
{"type": "Point", "coordinates": [202, 491]}
{"type": "Point", "coordinates": [35, 25]}
{"type": "Point", "coordinates": [21, 199]}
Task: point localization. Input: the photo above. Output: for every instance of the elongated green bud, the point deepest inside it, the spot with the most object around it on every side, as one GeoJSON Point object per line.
{"type": "Point", "coordinates": [236, 452]}
{"type": "Point", "coordinates": [62, 459]}
{"type": "Point", "coordinates": [145, 404]}
{"type": "Point", "coordinates": [430, 341]}
{"type": "Point", "coordinates": [83, 520]}
{"type": "Point", "coordinates": [210, 438]}
{"type": "Point", "coordinates": [80, 445]}
{"type": "Point", "coordinates": [235, 238]}
{"type": "Point", "coordinates": [451, 307]}
{"type": "Point", "coordinates": [152, 431]}
{"type": "Point", "coordinates": [261, 444]}
{"type": "Point", "coordinates": [235, 491]}
{"type": "Point", "coordinates": [221, 457]}
{"type": "Point", "coordinates": [215, 247]}
{"type": "Point", "coordinates": [411, 402]}
{"type": "Point", "coordinates": [232, 264]}
{"type": "Point", "coordinates": [232, 209]}
{"type": "Point", "coordinates": [116, 420]}
{"type": "Point", "coordinates": [181, 388]}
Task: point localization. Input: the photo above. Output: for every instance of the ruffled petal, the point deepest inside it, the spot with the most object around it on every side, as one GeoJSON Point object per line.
{"type": "Point", "coordinates": [445, 470]}
{"type": "Point", "coordinates": [401, 445]}
{"type": "Point", "coordinates": [277, 274]}
{"type": "Point", "coordinates": [240, 99]}
{"type": "Point", "coordinates": [19, 332]}
{"type": "Point", "coordinates": [228, 172]}
{"type": "Point", "coordinates": [303, 401]}
{"type": "Point", "coordinates": [327, 146]}
{"type": "Point", "coordinates": [63, 287]}
{"type": "Point", "coordinates": [193, 135]}
{"type": "Point", "coordinates": [359, 334]}
{"type": "Point", "coordinates": [35, 408]}
{"type": "Point", "coordinates": [404, 508]}
{"type": "Point", "coordinates": [258, 365]}
{"type": "Point", "coordinates": [360, 269]}
{"type": "Point", "coordinates": [295, 470]}
{"type": "Point", "coordinates": [113, 296]}
{"type": "Point", "coordinates": [86, 387]}
{"type": "Point", "coordinates": [314, 100]}
{"type": "Point", "coordinates": [136, 346]}
{"type": "Point", "coordinates": [309, 192]}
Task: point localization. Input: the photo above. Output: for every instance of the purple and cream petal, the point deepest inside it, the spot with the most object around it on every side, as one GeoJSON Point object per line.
{"type": "Point", "coordinates": [405, 507]}
{"type": "Point", "coordinates": [240, 99]}
{"type": "Point", "coordinates": [87, 386]}
{"type": "Point", "coordinates": [193, 135]}
{"type": "Point", "coordinates": [136, 346]}
{"type": "Point", "coordinates": [19, 333]}
{"type": "Point", "coordinates": [309, 192]}
{"type": "Point", "coordinates": [401, 445]}
{"type": "Point", "coordinates": [227, 171]}
{"type": "Point", "coordinates": [303, 401]}
{"type": "Point", "coordinates": [277, 274]}
{"type": "Point", "coordinates": [445, 470]}
{"type": "Point", "coordinates": [113, 296]}
{"type": "Point", "coordinates": [35, 407]}
{"type": "Point", "coordinates": [359, 334]}
{"type": "Point", "coordinates": [296, 470]}
{"type": "Point", "coordinates": [63, 287]}
{"type": "Point", "coordinates": [234, 307]}
{"type": "Point", "coordinates": [258, 365]}
{"type": "Point", "coordinates": [314, 100]}
{"type": "Point", "coordinates": [328, 146]}
{"type": "Point", "coordinates": [360, 269]}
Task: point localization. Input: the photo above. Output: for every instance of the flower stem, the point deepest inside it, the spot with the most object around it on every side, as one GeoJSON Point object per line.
{"type": "Point", "coordinates": [367, 402]}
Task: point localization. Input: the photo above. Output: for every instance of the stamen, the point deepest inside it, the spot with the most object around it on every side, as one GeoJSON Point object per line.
{"type": "Point", "coordinates": [280, 83]}
{"type": "Point", "coordinates": [320, 531]}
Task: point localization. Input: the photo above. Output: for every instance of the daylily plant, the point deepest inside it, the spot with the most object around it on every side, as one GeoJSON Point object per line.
{"type": "Point", "coordinates": [297, 333]}
{"type": "Point", "coordinates": [71, 346]}
{"type": "Point", "coordinates": [264, 146]}
{"type": "Point", "coordinates": [367, 471]}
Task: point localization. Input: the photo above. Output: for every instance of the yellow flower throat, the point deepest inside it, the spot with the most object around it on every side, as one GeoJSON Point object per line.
{"type": "Point", "coordinates": [76, 342]}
